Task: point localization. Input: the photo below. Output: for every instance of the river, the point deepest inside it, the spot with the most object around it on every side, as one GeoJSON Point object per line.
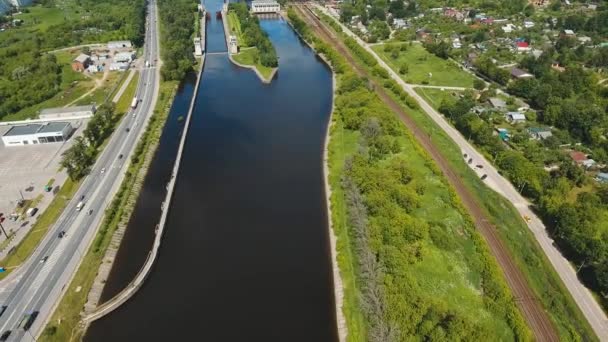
{"type": "Point", "coordinates": [245, 256]}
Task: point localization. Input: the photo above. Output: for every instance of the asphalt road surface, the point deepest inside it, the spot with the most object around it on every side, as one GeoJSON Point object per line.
{"type": "Point", "coordinates": [38, 285]}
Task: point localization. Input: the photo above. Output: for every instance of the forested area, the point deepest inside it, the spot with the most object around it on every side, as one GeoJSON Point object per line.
{"type": "Point", "coordinates": [254, 35]}
{"type": "Point", "coordinates": [29, 76]}
{"type": "Point", "coordinates": [177, 30]}
{"type": "Point", "coordinates": [413, 246]}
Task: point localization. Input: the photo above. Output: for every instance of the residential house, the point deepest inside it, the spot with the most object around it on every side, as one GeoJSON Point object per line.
{"type": "Point", "coordinates": [497, 103]}
{"type": "Point", "coordinates": [81, 62]}
{"type": "Point", "coordinates": [568, 33]}
{"type": "Point", "coordinates": [509, 28]}
{"type": "Point", "coordinates": [454, 14]}
{"type": "Point", "coordinates": [422, 35]}
{"type": "Point", "coordinates": [515, 117]}
{"type": "Point", "coordinates": [503, 134]}
{"type": "Point", "coordinates": [522, 46]}
{"type": "Point", "coordinates": [539, 133]}
{"type": "Point", "coordinates": [456, 44]}
{"type": "Point", "coordinates": [581, 159]}
{"type": "Point", "coordinates": [520, 74]}
{"type": "Point", "coordinates": [602, 177]}
{"type": "Point", "coordinates": [399, 23]}
{"type": "Point", "coordinates": [584, 39]}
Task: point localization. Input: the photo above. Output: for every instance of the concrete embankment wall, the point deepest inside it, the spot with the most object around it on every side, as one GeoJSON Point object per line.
{"type": "Point", "coordinates": [143, 274]}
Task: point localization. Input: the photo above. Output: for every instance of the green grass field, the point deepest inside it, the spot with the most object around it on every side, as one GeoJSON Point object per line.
{"type": "Point", "coordinates": [250, 56]}
{"type": "Point", "coordinates": [436, 96]}
{"type": "Point", "coordinates": [41, 18]}
{"type": "Point", "coordinates": [452, 274]}
{"type": "Point", "coordinates": [122, 106]}
{"type": "Point", "coordinates": [73, 85]}
{"type": "Point", "coordinates": [526, 252]}
{"type": "Point", "coordinates": [421, 62]}
{"type": "Point", "coordinates": [235, 28]}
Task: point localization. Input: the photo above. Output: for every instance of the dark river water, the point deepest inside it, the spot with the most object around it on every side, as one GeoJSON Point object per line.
{"type": "Point", "coordinates": [245, 255]}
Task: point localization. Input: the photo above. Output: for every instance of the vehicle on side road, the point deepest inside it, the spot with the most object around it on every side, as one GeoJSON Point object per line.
{"type": "Point", "coordinates": [479, 166]}
{"type": "Point", "coordinates": [484, 177]}
{"type": "Point", "coordinates": [31, 212]}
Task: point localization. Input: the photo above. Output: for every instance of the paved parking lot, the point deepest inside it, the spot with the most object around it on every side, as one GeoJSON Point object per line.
{"type": "Point", "coordinates": [26, 170]}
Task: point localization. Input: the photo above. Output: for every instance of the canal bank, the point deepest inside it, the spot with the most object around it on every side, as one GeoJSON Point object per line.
{"type": "Point", "coordinates": [230, 55]}
{"type": "Point", "coordinates": [246, 243]}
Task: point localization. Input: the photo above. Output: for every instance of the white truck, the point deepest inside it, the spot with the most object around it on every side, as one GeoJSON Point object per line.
{"type": "Point", "coordinates": [147, 64]}
{"type": "Point", "coordinates": [79, 206]}
{"type": "Point", "coordinates": [134, 103]}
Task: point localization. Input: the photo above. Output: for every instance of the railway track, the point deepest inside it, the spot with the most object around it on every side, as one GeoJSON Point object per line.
{"type": "Point", "coordinates": [532, 311]}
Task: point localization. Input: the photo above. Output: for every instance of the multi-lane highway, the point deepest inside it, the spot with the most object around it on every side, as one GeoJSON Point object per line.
{"type": "Point", "coordinates": [40, 282]}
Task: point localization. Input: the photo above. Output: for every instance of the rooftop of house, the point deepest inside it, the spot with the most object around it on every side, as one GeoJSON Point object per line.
{"type": "Point", "coordinates": [578, 156]}
{"type": "Point", "coordinates": [82, 58]}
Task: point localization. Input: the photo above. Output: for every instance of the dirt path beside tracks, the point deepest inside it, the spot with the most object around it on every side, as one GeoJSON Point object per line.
{"type": "Point", "coordinates": [532, 310]}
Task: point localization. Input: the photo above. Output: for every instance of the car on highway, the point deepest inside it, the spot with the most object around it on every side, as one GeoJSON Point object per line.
{"type": "Point", "coordinates": [61, 234]}
{"type": "Point", "coordinates": [128, 129]}
{"type": "Point", "coordinates": [103, 169]}
{"type": "Point", "coordinates": [2, 309]}
{"type": "Point", "coordinates": [484, 177]}
{"type": "Point", "coordinates": [5, 335]}
{"type": "Point", "coordinates": [90, 211]}
{"type": "Point", "coordinates": [81, 197]}
{"type": "Point", "coordinates": [30, 320]}
{"type": "Point", "coordinates": [79, 206]}
{"type": "Point", "coordinates": [470, 160]}
{"type": "Point", "coordinates": [479, 166]}
{"type": "Point", "coordinates": [120, 156]}
{"type": "Point", "coordinates": [44, 259]}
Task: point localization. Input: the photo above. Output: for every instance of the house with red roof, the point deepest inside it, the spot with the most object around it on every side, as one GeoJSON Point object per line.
{"type": "Point", "coordinates": [522, 46]}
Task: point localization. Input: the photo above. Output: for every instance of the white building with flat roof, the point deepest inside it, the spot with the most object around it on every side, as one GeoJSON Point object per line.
{"type": "Point", "coordinates": [265, 6]}
{"type": "Point", "coordinates": [68, 112]}
{"type": "Point", "coordinates": [33, 134]}
{"type": "Point", "coordinates": [119, 44]}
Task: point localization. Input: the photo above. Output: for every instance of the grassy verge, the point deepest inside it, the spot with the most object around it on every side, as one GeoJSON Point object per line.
{"type": "Point", "coordinates": [235, 28]}
{"type": "Point", "coordinates": [422, 67]}
{"type": "Point", "coordinates": [524, 249]}
{"type": "Point", "coordinates": [250, 56]}
{"type": "Point", "coordinates": [63, 325]}
{"type": "Point", "coordinates": [123, 104]}
{"type": "Point", "coordinates": [44, 222]}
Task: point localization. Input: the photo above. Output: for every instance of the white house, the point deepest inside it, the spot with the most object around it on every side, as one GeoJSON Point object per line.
{"type": "Point", "coordinates": [528, 24]}
{"type": "Point", "coordinates": [265, 6]}
{"type": "Point", "coordinates": [456, 44]}
{"type": "Point", "coordinates": [233, 46]}
{"type": "Point", "coordinates": [515, 117]}
{"type": "Point", "coordinates": [33, 134]}
{"type": "Point", "coordinates": [198, 47]}
{"type": "Point", "coordinates": [124, 57]}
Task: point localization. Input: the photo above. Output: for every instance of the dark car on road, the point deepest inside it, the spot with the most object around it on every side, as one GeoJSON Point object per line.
{"type": "Point", "coordinates": [120, 156]}
{"type": "Point", "coordinates": [2, 309]}
{"type": "Point", "coordinates": [5, 335]}
{"type": "Point", "coordinates": [484, 177]}
{"type": "Point", "coordinates": [61, 234]}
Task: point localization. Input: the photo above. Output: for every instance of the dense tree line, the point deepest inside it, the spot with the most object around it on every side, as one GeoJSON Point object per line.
{"type": "Point", "coordinates": [382, 194]}
{"type": "Point", "coordinates": [78, 159]}
{"type": "Point", "coordinates": [29, 76]}
{"type": "Point", "coordinates": [254, 35]}
{"type": "Point", "coordinates": [177, 29]}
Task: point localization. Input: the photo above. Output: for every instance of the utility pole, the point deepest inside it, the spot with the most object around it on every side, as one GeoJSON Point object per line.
{"type": "Point", "coordinates": [2, 218]}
